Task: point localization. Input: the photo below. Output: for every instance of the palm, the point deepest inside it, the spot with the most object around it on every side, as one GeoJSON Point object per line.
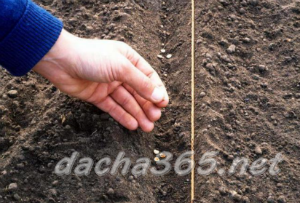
{"type": "Point", "coordinates": [108, 74]}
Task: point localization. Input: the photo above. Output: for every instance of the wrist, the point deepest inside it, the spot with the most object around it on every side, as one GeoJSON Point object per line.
{"type": "Point", "coordinates": [59, 55]}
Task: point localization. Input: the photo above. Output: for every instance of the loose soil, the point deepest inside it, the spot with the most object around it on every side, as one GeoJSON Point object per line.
{"type": "Point", "coordinates": [247, 104]}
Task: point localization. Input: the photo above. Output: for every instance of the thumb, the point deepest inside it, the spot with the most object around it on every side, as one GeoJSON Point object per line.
{"type": "Point", "coordinates": [140, 82]}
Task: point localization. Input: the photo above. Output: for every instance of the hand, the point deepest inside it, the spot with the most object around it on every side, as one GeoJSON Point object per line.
{"type": "Point", "coordinates": [108, 74]}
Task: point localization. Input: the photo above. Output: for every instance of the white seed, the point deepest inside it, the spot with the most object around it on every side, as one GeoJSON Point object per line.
{"type": "Point", "coordinates": [162, 155]}
{"type": "Point", "coordinates": [163, 51]}
{"type": "Point", "coordinates": [156, 151]}
{"type": "Point", "coordinates": [169, 56]}
{"type": "Point", "coordinates": [156, 159]}
{"type": "Point", "coordinates": [160, 56]}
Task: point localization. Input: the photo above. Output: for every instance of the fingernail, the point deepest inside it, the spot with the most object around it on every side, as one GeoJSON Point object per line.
{"type": "Point", "coordinates": [158, 94]}
{"type": "Point", "coordinates": [166, 98]}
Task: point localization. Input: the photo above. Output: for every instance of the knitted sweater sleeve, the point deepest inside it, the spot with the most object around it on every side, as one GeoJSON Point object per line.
{"type": "Point", "coordinates": [27, 33]}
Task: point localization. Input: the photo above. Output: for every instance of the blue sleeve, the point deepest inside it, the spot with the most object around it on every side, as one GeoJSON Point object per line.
{"type": "Point", "coordinates": [27, 33]}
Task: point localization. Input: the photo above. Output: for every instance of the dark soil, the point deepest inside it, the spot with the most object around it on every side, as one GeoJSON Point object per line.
{"type": "Point", "coordinates": [251, 101]}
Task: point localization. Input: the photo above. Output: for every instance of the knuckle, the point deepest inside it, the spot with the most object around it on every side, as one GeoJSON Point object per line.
{"type": "Point", "coordinates": [125, 101]}
{"type": "Point", "coordinates": [145, 84]}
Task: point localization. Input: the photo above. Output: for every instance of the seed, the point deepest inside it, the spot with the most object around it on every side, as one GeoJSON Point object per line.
{"type": "Point", "coordinates": [156, 159]}
{"type": "Point", "coordinates": [160, 56]}
{"type": "Point", "coordinates": [156, 151]}
{"type": "Point", "coordinates": [163, 51]}
{"type": "Point", "coordinates": [169, 56]}
{"type": "Point", "coordinates": [162, 155]}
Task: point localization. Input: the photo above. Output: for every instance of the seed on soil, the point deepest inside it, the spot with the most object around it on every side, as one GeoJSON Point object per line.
{"type": "Point", "coordinates": [163, 51]}
{"type": "Point", "coordinates": [13, 186]}
{"type": "Point", "coordinates": [202, 94]}
{"type": "Point", "coordinates": [169, 56]}
{"type": "Point", "coordinates": [156, 159]}
{"type": "Point", "coordinates": [246, 40]}
{"type": "Point", "coordinates": [12, 93]}
{"type": "Point", "coordinates": [156, 151]}
{"type": "Point", "coordinates": [160, 56]}
{"type": "Point", "coordinates": [162, 155]}
{"type": "Point", "coordinates": [258, 150]}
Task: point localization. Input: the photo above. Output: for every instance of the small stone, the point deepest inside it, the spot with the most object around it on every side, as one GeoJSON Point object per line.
{"type": "Point", "coordinates": [231, 49]}
{"type": "Point", "coordinates": [246, 40]}
{"type": "Point", "coordinates": [160, 56]}
{"type": "Point", "coordinates": [169, 56]}
{"type": "Point", "coordinates": [199, 41]}
{"type": "Point", "coordinates": [258, 150]}
{"type": "Point", "coordinates": [225, 58]}
{"type": "Point", "coordinates": [55, 182]}
{"type": "Point", "coordinates": [272, 46]}
{"type": "Point", "coordinates": [208, 56]}
{"type": "Point", "coordinates": [253, 2]}
{"type": "Point", "coordinates": [230, 157]}
{"type": "Point", "coordinates": [104, 116]}
{"type": "Point", "coordinates": [262, 68]}
{"type": "Point", "coordinates": [235, 195]}
{"type": "Point", "coordinates": [264, 85]}
{"type": "Point", "coordinates": [202, 94]}
{"type": "Point", "coordinates": [17, 197]}
{"type": "Point", "coordinates": [210, 66]}
{"type": "Point", "coordinates": [297, 95]}
{"type": "Point", "coordinates": [110, 191]}
{"type": "Point", "coordinates": [281, 199]}
{"type": "Point", "coordinates": [279, 185]}
{"type": "Point", "coordinates": [242, 11]}
{"type": "Point", "coordinates": [222, 191]}
{"type": "Point", "coordinates": [53, 192]}
{"type": "Point", "coordinates": [246, 200]}
{"type": "Point", "coordinates": [4, 172]}
{"type": "Point", "coordinates": [12, 93]}
{"type": "Point", "coordinates": [223, 42]}
{"type": "Point", "coordinates": [3, 110]}
{"type": "Point", "coordinates": [20, 166]}
{"type": "Point", "coordinates": [13, 186]}
{"type": "Point", "coordinates": [270, 199]}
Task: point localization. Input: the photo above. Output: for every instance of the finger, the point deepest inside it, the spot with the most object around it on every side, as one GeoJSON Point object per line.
{"type": "Point", "coordinates": [118, 113]}
{"type": "Point", "coordinates": [154, 77]}
{"type": "Point", "coordinates": [142, 84]}
{"type": "Point", "coordinates": [151, 110]}
{"type": "Point", "coordinates": [139, 62]}
{"type": "Point", "coordinates": [128, 102]}
{"type": "Point", "coordinates": [92, 94]}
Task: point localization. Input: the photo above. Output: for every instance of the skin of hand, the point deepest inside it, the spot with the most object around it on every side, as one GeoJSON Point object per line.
{"type": "Point", "coordinates": [110, 75]}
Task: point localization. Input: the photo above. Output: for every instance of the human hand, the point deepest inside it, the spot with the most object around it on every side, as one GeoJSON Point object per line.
{"type": "Point", "coordinates": [108, 74]}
